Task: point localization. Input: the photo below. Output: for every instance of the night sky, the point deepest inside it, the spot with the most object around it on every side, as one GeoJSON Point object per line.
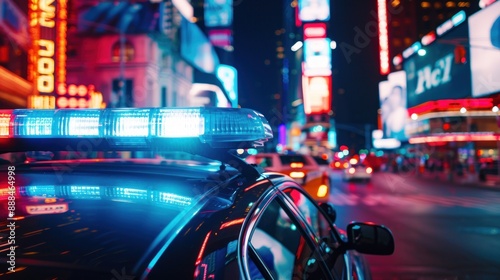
{"type": "Point", "coordinates": [355, 75]}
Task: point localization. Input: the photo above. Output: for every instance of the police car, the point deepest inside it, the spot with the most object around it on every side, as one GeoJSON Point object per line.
{"type": "Point", "coordinates": [160, 193]}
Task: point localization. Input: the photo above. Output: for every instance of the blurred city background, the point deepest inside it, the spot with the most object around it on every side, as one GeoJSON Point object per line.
{"type": "Point", "coordinates": [405, 85]}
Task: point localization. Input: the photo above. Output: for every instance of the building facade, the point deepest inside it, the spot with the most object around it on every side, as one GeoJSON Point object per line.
{"type": "Point", "coordinates": [447, 91]}
{"type": "Point", "coordinates": [88, 53]}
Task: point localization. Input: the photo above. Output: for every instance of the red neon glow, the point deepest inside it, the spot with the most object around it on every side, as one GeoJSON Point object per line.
{"type": "Point", "coordinates": [397, 60]}
{"type": "Point", "coordinates": [232, 223]}
{"type": "Point", "coordinates": [34, 31]}
{"type": "Point", "coordinates": [455, 137]}
{"type": "Point", "coordinates": [314, 30]}
{"type": "Point", "coordinates": [298, 22]}
{"type": "Point", "coordinates": [383, 37]}
{"type": "Point", "coordinates": [451, 105]}
{"type": "Point", "coordinates": [61, 42]}
{"type": "Point", "coordinates": [429, 38]}
{"type": "Point", "coordinates": [200, 254]}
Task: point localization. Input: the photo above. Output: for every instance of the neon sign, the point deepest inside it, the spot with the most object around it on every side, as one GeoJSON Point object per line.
{"type": "Point", "coordinates": [47, 56]}
{"type": "Point", "coordinates": [383, 37]}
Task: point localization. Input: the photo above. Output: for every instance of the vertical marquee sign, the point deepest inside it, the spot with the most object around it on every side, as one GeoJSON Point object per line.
{"type": "Point", "coordinates": [47, 55]}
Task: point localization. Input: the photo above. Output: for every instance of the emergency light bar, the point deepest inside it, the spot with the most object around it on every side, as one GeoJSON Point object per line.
{"type": "Point", "coordinates": [134, 127]}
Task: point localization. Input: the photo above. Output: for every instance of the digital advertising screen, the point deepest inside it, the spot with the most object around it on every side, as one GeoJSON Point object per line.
{"type": "Point", "coordinates": [218, 13]}
{"type": "Point", "coordinates": [441, 70]}
{"type": "Point", "coordinates": [317, 57]}
{"type": "Point", "coordinates": [394, 112]}
{"type": "Point", "coordinates": [484, 37]}
{"type": "Point", "coordinates": [317, 94]}
{"type": "Point", "coordinates": [314, 10]}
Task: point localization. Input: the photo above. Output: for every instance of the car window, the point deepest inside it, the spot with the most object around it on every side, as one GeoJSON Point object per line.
{"type": "Point", "coordinates": [283, 248]}
{"type": "Point", "coordinates": [322, 229]}
{"type": "Point", "coordinates": [264, 161]}
{"type": "Point", "coordinates": [288, 159]}
{"type": "Point", "coordinates": [320, 160]}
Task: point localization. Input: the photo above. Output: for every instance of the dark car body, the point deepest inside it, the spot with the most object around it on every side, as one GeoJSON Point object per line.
{"type": "Point", "coordinates": [193, 211]}
{"type": "Point", "coordinates": [148, 220]}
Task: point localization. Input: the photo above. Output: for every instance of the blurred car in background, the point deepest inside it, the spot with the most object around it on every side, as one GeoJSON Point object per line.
{"type": "Point", "coordinates": [358, 171]}
{"type": "Point", "coordinates": [325, 165]}
{"type": "Point", "coordinates": [302, 168]}
{"type": "Point", "coordinates": [339, 164]}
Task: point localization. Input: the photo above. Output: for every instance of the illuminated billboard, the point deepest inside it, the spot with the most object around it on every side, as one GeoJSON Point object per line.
{"type": "Point", "coordinates": [218, 13]}
{"type": "Point", "coordinates": [317, 94]}
{"type": "Point", "coordinates": [484, 40]}
{"type": "Point", "coordinates": [392, 94]}
{"type": "Point", "coordinates": [317, 57]}
{"type": "Point", "coordinates": [440, 70]}
{"type": "Point", "coordinates": [47, 55]}
{"type": "Point", "coordinates": [314, 10]}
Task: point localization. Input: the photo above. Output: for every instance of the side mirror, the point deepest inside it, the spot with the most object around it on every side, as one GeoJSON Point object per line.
{"type": "Point", "coordinates": [369, 238]}
{"type": "Point", "coordinates": [329, 210]}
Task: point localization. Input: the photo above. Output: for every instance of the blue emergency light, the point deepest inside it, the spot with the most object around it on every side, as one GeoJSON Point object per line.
{"type": "Point", "coordinates": [138, 126]}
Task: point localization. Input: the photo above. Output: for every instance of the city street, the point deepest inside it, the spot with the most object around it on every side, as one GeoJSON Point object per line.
{"type": "Point", "coordinates": [442, 231]}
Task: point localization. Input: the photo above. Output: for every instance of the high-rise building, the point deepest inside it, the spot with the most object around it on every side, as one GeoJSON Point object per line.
{"type": "Point", "coordinates": [410, 20]}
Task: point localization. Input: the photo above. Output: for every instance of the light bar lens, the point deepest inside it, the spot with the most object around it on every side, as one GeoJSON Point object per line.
{"type": "Point", "coordinates": [179, 123]}
{"type": "Point", "coordinates": [33, 123]}
{"type": "Point", "coordinates": [5, 124]}
{"type": "Point", "coordinates": [135, 125]}
{"type": "Point", "coordinates": [78, 122]}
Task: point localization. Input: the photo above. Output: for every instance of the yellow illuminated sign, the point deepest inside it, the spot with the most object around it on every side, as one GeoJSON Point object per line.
{"type": "Point", "coordinates": [47, 55]}
{"type": "Point", "coordinates": [41, 102]}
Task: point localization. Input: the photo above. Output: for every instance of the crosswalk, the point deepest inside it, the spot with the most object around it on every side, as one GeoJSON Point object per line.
{"type": "Point", "coordinates": [350, 199]}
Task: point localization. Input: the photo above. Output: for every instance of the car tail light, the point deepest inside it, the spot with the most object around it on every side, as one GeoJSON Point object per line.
{"type": "Point", "coordinates": [369, 170]}
{"type": "Point", "coordinates": [297, 174]}
{"type": "Point", "coordinates": [296, 165]}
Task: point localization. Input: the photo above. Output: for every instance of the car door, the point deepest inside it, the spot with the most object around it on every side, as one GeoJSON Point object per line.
{"type": "Point", "coordinates": [320, 226]}
{"type": "Point", "coordinates": [278, 247]}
